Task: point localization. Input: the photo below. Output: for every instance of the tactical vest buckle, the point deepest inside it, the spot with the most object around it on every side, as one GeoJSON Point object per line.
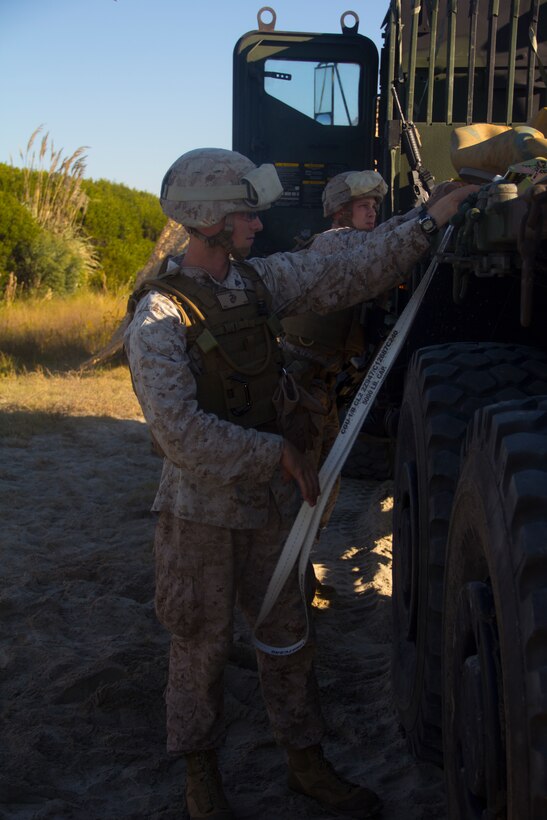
{"type": "Point", "coordinates": [244, 408]}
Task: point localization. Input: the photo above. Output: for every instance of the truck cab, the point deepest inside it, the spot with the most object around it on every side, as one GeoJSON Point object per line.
{"type": "Point", "coordinates": [469, 391]}
{"type": "Point", "coordinates": [306, 103]}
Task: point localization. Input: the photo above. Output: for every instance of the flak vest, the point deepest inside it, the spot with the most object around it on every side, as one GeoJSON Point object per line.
{"type": "Point", "coordinates": [236, 335]}
{"type": "Point", "coordinates": [340, 332]}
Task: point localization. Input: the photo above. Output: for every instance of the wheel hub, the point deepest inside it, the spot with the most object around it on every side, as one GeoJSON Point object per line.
{"type": "Point", "coordinates": [478, 704]}
{"type": "Point", "coordinates": [405, 561]}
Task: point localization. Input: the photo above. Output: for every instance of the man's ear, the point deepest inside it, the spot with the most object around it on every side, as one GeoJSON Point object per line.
{"type": "Point", "coordinates": [211, 230]}
{"type": "Point", "coordinates": [337, 217]}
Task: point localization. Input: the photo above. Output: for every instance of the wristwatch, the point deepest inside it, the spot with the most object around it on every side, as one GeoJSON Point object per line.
{"type": "Point", "coordinates": [427, 223]}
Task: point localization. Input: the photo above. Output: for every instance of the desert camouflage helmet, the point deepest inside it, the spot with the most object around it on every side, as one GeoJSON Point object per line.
{"type": "Point", "coordinates": [207, 184]}
{"type": "Point", "coordinates": [349, 185]}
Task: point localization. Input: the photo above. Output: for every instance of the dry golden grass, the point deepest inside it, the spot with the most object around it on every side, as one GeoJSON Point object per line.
{"type": "Point", "coordinates": [95, 393]}
{"type": "Point", "coordinates": [57, 334]}
{"type": "Point", "coordinates": [41, 346]}
{"type": "Point", "coordinates": [35, 403]}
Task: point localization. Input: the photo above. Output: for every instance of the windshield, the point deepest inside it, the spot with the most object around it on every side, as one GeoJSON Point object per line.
{"type": "Point", "coordinates": [326, 92]}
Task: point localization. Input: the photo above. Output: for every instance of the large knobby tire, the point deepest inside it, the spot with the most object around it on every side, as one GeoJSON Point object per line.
{"type": "Point", "coordinates": [495, 620]}
{"type": "Point", "coordinates": [444, 386]}
{"type": "Point", "coordinates": [370, 457]}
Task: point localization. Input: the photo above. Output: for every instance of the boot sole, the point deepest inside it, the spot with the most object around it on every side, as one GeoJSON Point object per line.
{"type": "Point", "coordinates": [357, 814]}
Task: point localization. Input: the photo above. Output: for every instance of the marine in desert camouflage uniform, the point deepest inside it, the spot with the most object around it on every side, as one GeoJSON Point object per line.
{"type": "Point", "coordinates": [318, 347]}
{"type": "Point", "coordinates": [229, 492]}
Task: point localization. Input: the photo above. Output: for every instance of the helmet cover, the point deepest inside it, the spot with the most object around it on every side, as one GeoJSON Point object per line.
{"type": "Point", "coordinates": [350, 185]}
{"type": "Point", "coordinates": [206, 184]}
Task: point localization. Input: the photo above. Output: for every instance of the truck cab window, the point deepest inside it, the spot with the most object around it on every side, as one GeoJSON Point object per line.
{"type": "Point", "coordinates": [326, 92]}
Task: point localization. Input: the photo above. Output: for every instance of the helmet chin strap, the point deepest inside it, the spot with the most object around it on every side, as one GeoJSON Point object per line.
{"type": "Point", "coordinates": [218, 239]}
{"type": "Point", "coordinates": [236, 253]}
{"type": "Point", "coordinates": [344, 217]}
{"type": "Point", "coordinates": [222, 239]}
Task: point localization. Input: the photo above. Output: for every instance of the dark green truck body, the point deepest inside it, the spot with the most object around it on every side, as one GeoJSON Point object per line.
{"type": "Point", "coordinates": [469, 391]}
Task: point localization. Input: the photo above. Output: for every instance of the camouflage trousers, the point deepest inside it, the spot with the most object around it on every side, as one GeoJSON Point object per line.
{"type": "Point", "coordinates": [202, 573]}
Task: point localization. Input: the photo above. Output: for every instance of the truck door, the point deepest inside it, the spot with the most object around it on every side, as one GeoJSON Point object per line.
{"type": "Point", "coordinates": [306, 103]}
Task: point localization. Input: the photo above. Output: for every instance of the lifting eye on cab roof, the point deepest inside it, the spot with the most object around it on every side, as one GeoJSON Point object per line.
{"type": "Point", "coordinates": [269, 24]}
{"type": "Point", "coordinates": [266, 25]}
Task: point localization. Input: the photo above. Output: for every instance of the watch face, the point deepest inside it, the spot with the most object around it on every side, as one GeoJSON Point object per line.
{"type": "Point", "coordinates": [427, 223]}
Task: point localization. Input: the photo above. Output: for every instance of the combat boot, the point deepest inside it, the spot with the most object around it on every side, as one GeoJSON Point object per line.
{"type": "Point", "coordinates": [311, 774]}
{"type": "Point", "coordinates": [205, 797]}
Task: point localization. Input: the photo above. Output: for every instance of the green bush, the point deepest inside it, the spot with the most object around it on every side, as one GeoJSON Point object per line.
{"type": "Point", "coordinates": [51, 263]}
{"type": "Point", "coordinates": [40, 260]}
{"type": "Point", "coordinates": [43, 228]}
{"type": "Point", "coordinates": [119, 263]}
{"type": "Point", "coordinates": [17, 231]}
{"type": "Point", "coordinates": [124, 226]}
{"type": "Point", "coordinates": [11, 180]}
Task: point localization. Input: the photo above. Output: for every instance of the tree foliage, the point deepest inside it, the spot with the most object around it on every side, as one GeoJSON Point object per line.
{"type": "Point", "coordinates": [18, 230]}
{"type": "Point", "coordinates": [60, 232]}
{"type": "Point", "coordinates": [52, 264]}
{"type": "Point", "coordinates": [124, 226]}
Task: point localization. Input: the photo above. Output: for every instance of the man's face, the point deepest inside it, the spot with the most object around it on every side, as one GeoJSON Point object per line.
{"type": "Point", "coordinates": [364, 213]}
{"type": "Point", "coordinates": [245, 226]}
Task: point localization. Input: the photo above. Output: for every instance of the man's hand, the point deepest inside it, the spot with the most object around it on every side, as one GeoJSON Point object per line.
{"type": "Point", "coordinates": [296, 466]}
{"type": "Point", "coordinates": [446, 206]}
{"type": "Point", "coordinates": [442, 189]}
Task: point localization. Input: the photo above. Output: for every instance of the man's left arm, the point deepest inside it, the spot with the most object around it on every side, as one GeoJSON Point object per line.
{"type": "Point", "coordinates": [351, 267]}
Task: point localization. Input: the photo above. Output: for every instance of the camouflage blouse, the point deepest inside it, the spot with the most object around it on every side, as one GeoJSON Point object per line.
{"type": "Point", "coordinates": [214, 470]}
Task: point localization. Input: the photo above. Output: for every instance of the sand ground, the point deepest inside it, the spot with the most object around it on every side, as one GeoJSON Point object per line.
{"type": "Point", "coordinates": [83, 661]}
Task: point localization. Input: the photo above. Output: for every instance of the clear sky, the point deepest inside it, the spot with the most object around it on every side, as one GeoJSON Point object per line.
{"type": "Point", "coordinates": [138, 82]}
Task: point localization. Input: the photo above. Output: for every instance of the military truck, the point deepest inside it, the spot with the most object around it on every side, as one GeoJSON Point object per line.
{"type": "Point", "coordinates": [466, 402]}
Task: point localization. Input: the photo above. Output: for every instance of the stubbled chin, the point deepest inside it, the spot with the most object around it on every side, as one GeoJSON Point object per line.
{"type": "Point", "coordinates": [241, 253]}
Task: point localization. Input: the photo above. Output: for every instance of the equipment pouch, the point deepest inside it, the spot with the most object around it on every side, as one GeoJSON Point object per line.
{"type": "Point", "coordinates": [295, 408]}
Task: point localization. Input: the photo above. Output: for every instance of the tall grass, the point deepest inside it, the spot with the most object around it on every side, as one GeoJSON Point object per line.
{"type": "Point", "coordinates": [42, 345]}
{"type": "Point", "coordinates": [53, 193]}
{"type": "Point", "coordinates": [36, 402]}
{"type": "Point", "coordinates": [56, 334]}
